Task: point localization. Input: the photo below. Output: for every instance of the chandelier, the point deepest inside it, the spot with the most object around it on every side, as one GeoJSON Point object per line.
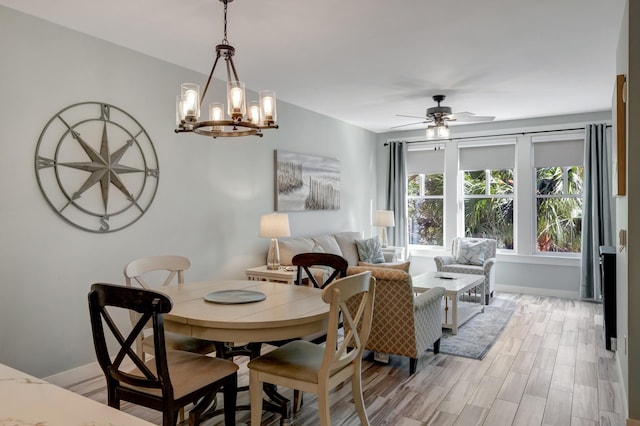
{"type": "Point", "coordinates": [241, 119]}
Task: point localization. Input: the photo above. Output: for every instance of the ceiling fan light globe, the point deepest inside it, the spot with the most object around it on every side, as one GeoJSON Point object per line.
{"type": "Point", "coordinates": [443, 131]}
{"type": "Point", "coordinates": [431, 132]}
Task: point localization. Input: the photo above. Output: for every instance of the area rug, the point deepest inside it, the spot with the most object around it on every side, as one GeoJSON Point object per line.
{"type": "Point", "coordinates": [476, 336]}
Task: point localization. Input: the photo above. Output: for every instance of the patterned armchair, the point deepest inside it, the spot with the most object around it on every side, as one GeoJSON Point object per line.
{"type": "Point", "coordinates": [402, 323]}
{"type": "Point", "coordinates": [471, 256]}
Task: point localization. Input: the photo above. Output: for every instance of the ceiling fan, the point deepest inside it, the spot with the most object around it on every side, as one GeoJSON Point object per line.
{"type": "Point", "coordinates": [439, 115]}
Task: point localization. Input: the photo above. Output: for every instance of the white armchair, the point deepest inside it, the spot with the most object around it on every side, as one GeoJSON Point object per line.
{"type": "Point", "coordinates": [471, 256]}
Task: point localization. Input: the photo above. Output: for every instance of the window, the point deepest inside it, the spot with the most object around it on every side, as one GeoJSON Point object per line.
{"type": "Point", "coordinates": [488, 205]}
{"type": "Point", "coordinates": [558, 193]}
{"type": "Point", "coordinates": [425, 186]}
{"type": "Point", "coordinates": [488, 190]}
{"type": "Point", "coordinates": [559, 209]}
{"type": "Point", "coordinates": [426, 209]}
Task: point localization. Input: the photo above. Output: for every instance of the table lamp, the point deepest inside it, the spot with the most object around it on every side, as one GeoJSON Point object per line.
{"type": "Point", "coordinates": [274, 226]}
{"type": "Point", "coordinates": [384, 219]}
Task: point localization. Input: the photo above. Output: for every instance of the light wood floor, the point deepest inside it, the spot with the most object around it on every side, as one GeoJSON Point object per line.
{"type": "Point", "coordinates": [549, 367]}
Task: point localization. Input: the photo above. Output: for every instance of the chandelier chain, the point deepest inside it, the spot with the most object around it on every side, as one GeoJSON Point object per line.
{"type": "Point", "coordinates": [224, 40]}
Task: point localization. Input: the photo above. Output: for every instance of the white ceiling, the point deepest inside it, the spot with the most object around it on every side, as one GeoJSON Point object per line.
{"type": "Point", "coordinates": [364, 61]}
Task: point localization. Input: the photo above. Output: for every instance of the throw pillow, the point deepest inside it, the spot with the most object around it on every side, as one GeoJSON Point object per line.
{"type": "Point", "coordinates": [471, 252]}
{"type": "Point", "coordinates": [370, 250]}
{"type": "Point", "coordinates": [402, 266]}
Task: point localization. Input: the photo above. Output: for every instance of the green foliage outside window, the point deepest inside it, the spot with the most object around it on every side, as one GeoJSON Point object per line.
{"type": "Point", "coordinates": [559, 209]}
{"type": "Point", "coordinates": [488, 205]}
{"type": "Point", "coordinates": [426, 209]}
{"type": "Point", "coordinates": [488, 208]}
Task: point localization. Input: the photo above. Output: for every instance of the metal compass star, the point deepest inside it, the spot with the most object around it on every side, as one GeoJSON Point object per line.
{"type": "Point", "coordinates": [104, 168]}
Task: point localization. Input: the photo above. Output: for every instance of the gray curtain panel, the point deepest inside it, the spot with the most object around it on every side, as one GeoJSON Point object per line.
{"type": "Point", "coordinates": [598, 215]}
{"type": "Point", "coordinates": [397, 192]}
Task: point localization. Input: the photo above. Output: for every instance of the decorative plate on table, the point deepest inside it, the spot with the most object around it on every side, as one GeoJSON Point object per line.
{"type": "Point", "coordinates": [234, 297]}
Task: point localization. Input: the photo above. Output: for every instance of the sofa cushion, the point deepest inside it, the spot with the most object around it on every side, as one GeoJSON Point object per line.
{"type": "Point", "coordinates": [328, 243]}
{"type": "Point", "coordinates": [463, 269]}
{"type": "Point", "coordinates": [370, 250]}
{"type": "Point", "coordinates": [401, 266]}
{"type": "Point", "coordinates": [471, 252]}
{"type": "Point", "coordinates": [347, 243]}
{"type": "Point", "coordinates": [292, 246]}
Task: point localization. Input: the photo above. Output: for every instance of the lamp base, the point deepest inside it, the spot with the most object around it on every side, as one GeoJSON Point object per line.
{"type": "Point", "coordinates": [383, 237]}
{"type": "Point", "coordinates": [273, 256]}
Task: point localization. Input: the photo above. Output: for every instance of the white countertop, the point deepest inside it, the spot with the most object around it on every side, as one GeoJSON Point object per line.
{"type": "Point", "coordinates": [26, 400]}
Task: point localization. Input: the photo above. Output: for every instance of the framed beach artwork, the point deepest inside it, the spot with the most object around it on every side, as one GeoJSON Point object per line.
{"type": "Point", "coordinates": [306, 182]}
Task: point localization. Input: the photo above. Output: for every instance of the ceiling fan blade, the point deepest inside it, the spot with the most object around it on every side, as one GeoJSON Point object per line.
{"type": "Point", "coordinates": [410, 116]}
{"type": "Point", "coordinates": [469, 117]}
{"type": "Point", "coordinates": [409, 124]}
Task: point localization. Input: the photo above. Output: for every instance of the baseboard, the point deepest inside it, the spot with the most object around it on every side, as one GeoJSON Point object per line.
{"type": "Point", "coordinates": [631, 422]}
{"type": "Point", "coordinates": [75, 375]}
{"type": "Point", "coordinates": [625, 403]}
{"type": "Point", "coordinates": [65, 379]}
{"type": "Point", "coordinates": [535, 291]}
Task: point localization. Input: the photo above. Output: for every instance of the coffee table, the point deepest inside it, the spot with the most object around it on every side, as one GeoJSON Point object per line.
{"type": "Point", "coordinates": [456, 312]}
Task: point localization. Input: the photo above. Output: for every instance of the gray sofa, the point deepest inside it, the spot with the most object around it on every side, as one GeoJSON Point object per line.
{"type": "Point", "coordinates": [340, 243]}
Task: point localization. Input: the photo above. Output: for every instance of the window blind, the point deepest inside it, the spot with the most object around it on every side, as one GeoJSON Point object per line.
{"type": "Point", "coordinates": [561, 153]}
{"type": "Point", "coordinates": [487, 157]}
{"type": "Point", "coordinates": [426, 161]}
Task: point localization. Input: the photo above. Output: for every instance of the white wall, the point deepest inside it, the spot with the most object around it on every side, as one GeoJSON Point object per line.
{"type": "Point", "coordinates": [521, 270]}
{"type": "Point", "coordinates": [211, 192]}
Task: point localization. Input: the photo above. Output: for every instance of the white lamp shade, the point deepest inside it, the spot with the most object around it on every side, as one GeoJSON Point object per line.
{"type": "Point", "coordinates": [384, 218]}
{"type": "Point", "coordinates": [274, 226]}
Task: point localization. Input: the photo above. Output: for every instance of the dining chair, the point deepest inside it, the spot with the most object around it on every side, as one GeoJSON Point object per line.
{"type": "Point", "coordinates": [140, 271]}
{"type": "Point", "coordinates": [169, 381]}
{"type": "Point", "coordinates": [306, 261]}
{"type": "Point", "coordinates": [314, 368]}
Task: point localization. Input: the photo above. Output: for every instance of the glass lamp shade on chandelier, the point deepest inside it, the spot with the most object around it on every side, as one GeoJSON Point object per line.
{"type": "Point", "coordinates": [240, 119]}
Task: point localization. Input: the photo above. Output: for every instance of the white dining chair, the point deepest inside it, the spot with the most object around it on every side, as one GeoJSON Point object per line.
{"type": "Point", "coordinates": [139, 272]}
{"type": "Point", "coordinates": [314, 368]}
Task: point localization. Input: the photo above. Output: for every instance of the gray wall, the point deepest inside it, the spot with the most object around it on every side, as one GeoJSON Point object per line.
{"type": "Point", "coordinates": [628, 212]}
{"type": "Point", "coordinates": [633, 213]}
{"type": "Point", "coordinates": [210, 196]}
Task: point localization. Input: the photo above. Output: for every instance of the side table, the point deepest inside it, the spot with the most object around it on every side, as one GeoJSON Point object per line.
{"type": "Point", "coordinates": [396, 254]}
{"type": "Point", "coordinates": [286, 274]}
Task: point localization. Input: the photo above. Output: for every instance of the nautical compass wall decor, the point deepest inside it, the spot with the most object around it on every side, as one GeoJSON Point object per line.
{"type": "Point", "coordinates": [96, 167]}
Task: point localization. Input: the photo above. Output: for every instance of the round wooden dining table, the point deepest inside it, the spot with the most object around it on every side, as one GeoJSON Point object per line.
{"type": "Point", "coordinates": [287, 312]}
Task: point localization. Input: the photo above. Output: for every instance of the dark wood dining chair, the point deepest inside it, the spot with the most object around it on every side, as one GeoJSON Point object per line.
{"type": "Point", "coordinates": [305, 261]}
{"type": "Point", "coordinates": [169, 381]}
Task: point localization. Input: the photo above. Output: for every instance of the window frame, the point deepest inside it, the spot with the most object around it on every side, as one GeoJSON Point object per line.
{"type": "Point", "coordinates": [565, 194]}
{"type": "Point", "coordinates": [488, 195]}
{"type": "Point", "coordinates": [422, 196]}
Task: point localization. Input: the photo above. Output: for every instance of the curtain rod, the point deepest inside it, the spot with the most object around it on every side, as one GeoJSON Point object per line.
{"type": "Point", "coordinates": [501, 134]}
